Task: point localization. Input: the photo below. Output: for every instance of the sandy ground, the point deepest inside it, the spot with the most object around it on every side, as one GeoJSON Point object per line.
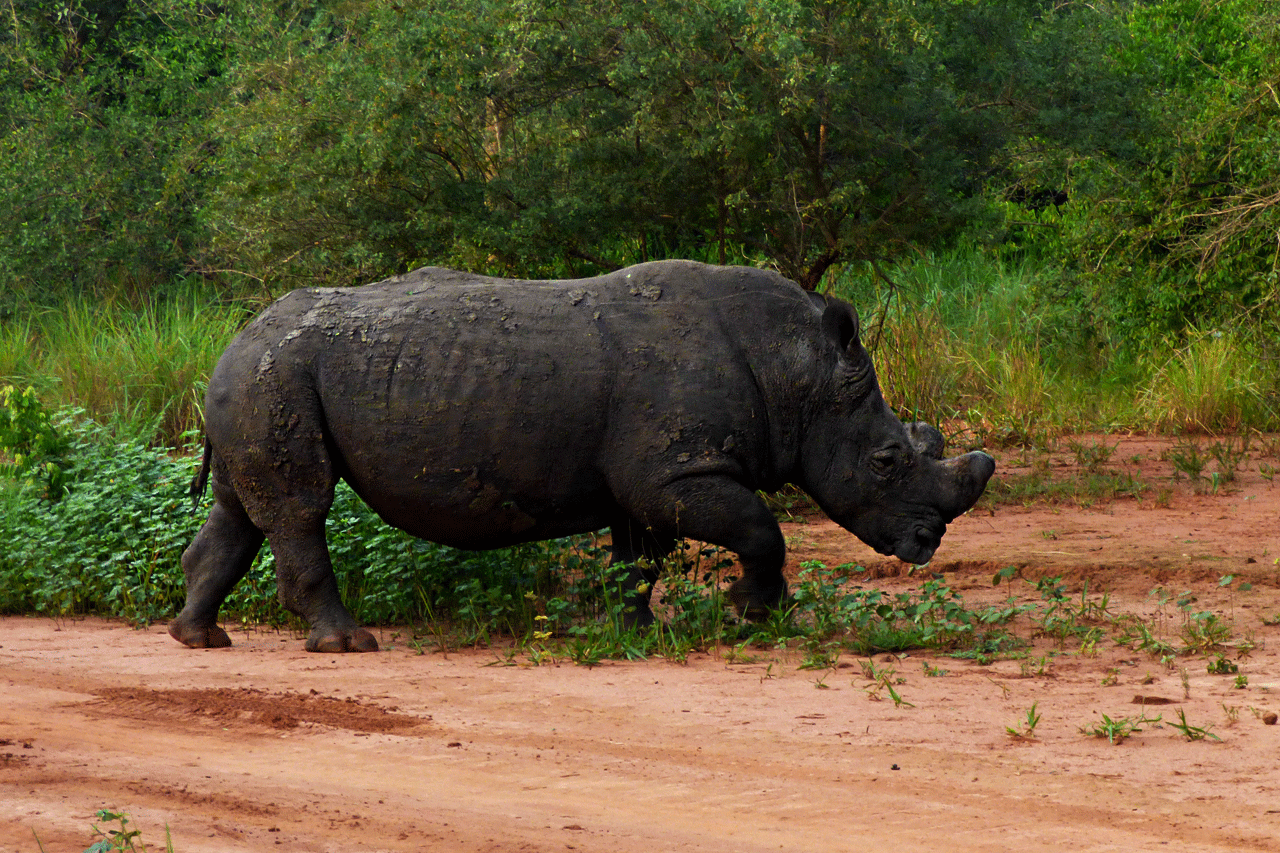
{"type": "Point", "coordinates": [265, 747]}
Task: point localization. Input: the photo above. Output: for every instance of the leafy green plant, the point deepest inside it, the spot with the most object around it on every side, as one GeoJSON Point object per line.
{"type": "Point", "coordinates": [122, 840]}
{"type": "Point", "coordinates": [111, 544]}
{"type": "Point", "coordinates": [1203, 631]}
{"type": "Point", "coordinates": [990, 646]}
{"type": "Point", "coordinates": [31, 448]}
{"type": "Point", "coordinates": [869, 620]}
{"type": "Point", "coordinates": [1139, 635]}
{"type": "Point", "coordinates": [1219, 665]}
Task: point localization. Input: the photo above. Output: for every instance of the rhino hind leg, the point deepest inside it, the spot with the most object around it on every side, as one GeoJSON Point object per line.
{"type": "Point", "coordinates": [721, 511]}
{"type": "Point", "coordinates": [288, 504]}
{"type": "Point", "coordinates": [213, 563]}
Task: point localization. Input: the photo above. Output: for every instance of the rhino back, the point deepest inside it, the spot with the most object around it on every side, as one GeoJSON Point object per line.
{"type": "Point", "coordinates": [460, 406]}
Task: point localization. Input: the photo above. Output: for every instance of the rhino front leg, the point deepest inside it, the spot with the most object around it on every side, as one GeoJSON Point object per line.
{"type": "Point", "coordinates": [307, 587]}
{"type": "Point", "coordinates": [721, 511]}
{"type": "Point", "coordinates": [632, 541]}
{"type": "Point", "coordinates": [213, 563]}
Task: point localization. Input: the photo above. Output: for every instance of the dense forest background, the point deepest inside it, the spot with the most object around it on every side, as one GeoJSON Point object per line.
{"type": "Point", "coordinates": [1119, 158]}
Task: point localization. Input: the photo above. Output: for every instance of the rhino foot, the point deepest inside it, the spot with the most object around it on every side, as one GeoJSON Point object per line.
{"type": "Point", "coordinates": [199, 636]}
{"type": "Point", "coordinates": [354, 640]}
{"type": "Point", "coordinates": [753, 602]}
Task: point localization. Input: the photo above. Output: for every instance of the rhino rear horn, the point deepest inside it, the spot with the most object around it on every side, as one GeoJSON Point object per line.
{"type": "Point", "coordinates": [926, 439]}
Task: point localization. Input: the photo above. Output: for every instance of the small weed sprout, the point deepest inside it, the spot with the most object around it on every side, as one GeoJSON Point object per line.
{"type": "Point", "coordinates": [1116, 731]}
{"type": "Point", "coordinates": [931, 671]}
{"type": "Point", "coordinates": [1191, 732]}
{"type": "Point", "coordinates": [1025, 729]}
{"type": "Point", "coordinates": [1189, 461]}
{"type": "Point", "coordinates": [884, 679]}
{"type": "Point", "coordinates": [1092, 456]}
{"type": "Point", "coordinates": [1229, 456]}
{"type": "Point", "coordinates": [1221, 666]}
{"type": "Point", "coordinates": [1034, 667]}
{"type": "Point", "coordinates": [122, 840]}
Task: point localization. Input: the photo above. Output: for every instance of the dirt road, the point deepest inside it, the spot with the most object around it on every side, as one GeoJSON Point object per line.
{"type": "Point", "coordinates": [265, 747]}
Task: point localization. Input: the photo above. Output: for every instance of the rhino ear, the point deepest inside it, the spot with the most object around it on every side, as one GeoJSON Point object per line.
{"type": "Point", "coordinates": [840, 324]}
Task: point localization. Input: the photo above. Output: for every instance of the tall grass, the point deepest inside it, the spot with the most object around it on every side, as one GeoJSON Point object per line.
{"type": "Point", "coordinates": [985, 344]}
{"type": "Point", "coordinates": [1217, 383]}
{"type": "Point", "coordinates": [141, 370]}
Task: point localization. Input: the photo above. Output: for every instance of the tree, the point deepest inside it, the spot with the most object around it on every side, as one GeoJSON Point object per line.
{"type": "Point", "coordinates": [549, 136]}
{"type": "Point", "coordinates": [97, 104]}
{"type": "Point", "coordinates": [1183, 234]}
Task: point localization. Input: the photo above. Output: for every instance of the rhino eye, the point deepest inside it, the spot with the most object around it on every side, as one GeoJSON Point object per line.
{"type": "Point", "coordinates": [882, 462]}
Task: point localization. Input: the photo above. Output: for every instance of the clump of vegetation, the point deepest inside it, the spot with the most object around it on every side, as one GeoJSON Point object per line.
{"type": "Point", "coordinates": [1118, 730]}
{"type": "Point", "coordinates": [31, 448]}
{"type": "Point", "coordinates": [112, 840]}
{"type": "Point", "coordinates": [1025, 729]}
{"type": "Point", "coordinates": [1191, 732]}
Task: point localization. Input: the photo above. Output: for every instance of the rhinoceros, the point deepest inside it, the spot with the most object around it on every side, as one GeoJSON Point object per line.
{"type": "Point", "coordinates": [658, 401]}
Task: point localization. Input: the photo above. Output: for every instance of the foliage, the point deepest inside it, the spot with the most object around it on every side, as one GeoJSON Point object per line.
{"type": "Point", "coordinates": [1183, 234]}
{"type": "Point", "coordinates": [1214, 384]}
{"type": "Point", "coordinates": [1025, 729]}
{"type": "Point", "coordinates": [122, 840]}
{"type": "Point", "coordinates": [268, 144]}
{"type": "Point", "coordinates": [1118, 730]}
{"type": "Point", "coordinates": [1191, 732]}
{"type": "Point", "coordinates": [31, 448]}
{"type": "Point", "coordinates": [111, 544]}
{"type": "Point", "coordinates": [548, 137]}
{"type": "Point", "coordinates": [868, 620]}
{"type": "Point", "coordinates": [141, 369]}
{"type": "Point", "coordinates": [101, 104]}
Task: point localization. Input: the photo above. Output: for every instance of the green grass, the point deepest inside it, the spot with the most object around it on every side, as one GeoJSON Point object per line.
{"type": "Point", "coordinates": [140, 370]}
{"type": "Point", "coordinates": [1118, 730]}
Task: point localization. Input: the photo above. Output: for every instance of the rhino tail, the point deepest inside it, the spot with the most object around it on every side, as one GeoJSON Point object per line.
{"type": "Point", "coordinates": [201, 479]}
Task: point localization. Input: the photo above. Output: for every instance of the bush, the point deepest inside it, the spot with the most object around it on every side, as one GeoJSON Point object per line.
{"type": "Point", "coordinates": [110, 544]}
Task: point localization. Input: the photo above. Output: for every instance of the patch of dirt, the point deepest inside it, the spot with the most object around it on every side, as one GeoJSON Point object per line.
{"type": "Point", "coordinates": [224, 706]}
{"type": "Point", "coordinates": [266, 747]}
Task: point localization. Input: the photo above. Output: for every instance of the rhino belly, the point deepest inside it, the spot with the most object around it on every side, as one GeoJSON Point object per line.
{"type": "Point", "coordinates": [479, 511]}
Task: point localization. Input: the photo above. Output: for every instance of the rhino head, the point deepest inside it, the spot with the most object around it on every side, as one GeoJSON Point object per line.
{"type": "Point", "coordinates": [885, 481]}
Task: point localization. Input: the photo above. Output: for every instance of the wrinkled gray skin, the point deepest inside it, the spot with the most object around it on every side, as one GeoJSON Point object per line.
{"type": "Point", "coordinates": [479, 413]}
